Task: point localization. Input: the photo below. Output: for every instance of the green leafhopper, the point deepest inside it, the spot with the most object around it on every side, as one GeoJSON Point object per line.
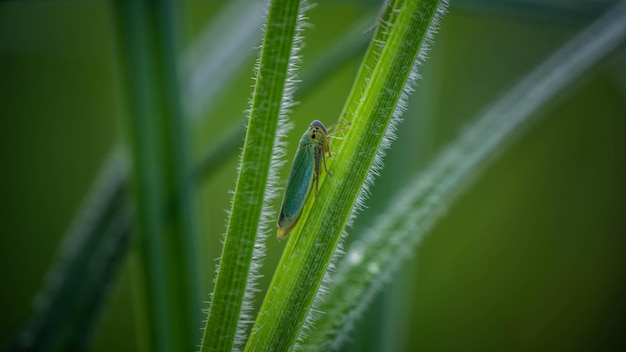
{"type": "Point", "coordinates": [305, 172]}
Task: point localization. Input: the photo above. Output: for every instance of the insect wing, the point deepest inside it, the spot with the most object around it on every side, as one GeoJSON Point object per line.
{"type": "Point", "coordinates": [298, 186]}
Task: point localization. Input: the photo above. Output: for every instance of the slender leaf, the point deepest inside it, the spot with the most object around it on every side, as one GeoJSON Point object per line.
{"type": "Point", "coordinates": [167, 263]}
{"type": "Point", "coordinates": [214, 58]}
{"type": "Point", "coordinates": [247, 226]}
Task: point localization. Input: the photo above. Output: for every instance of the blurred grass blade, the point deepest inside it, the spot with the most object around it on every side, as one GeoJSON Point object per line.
{"type": "Point", "coordinates": [550, 11]}
{"type": "Point", "coordinates": [104, 267]}
{"type": "Point", "coordinates": [77, 279]}
{"type": "Point", "coordinates": [228, 316]}
{"type": "Point", "coordinates": [166, 258]}
{"type": "Point", "coordinates": [214, 58]}
{"type": "Point", "coordinates": [352, 43]}
{"type": "Point", "coordinates": [312, 244]}
{"type": "Point", "coordinates": [370, 261]}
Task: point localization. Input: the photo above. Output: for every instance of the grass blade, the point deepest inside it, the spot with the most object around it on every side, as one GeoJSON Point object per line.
{"type": "Point", "coordinates": [214, 57]}
{"type": "Point", "coordinates": [247, 226]}
{"type": "Point", "coordinates": [159, 142]}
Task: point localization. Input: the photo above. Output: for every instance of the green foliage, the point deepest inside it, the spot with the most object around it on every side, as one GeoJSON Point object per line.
{"type": "Point", "coordinates": [312, 246]}
{"type": "Point", "coordinates": [173, 159]}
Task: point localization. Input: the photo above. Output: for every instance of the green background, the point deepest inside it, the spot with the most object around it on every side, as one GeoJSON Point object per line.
{"type": "Point", "coordinates": [531, 257]}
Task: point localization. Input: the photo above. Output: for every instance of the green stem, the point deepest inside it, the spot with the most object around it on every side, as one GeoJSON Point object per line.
{"type": "Point", "coordinates": [166, 257]}
{"type": "Point", "coordinates": [234, 284]}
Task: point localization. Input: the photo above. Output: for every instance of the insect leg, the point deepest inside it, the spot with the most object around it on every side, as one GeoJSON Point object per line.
{"type": "Point", "coordinates": [318, 153]}
{"type": "Point", "coordinates": [324, 162]}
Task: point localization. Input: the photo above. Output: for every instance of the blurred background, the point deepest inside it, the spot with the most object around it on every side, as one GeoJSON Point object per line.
{"type": "Point", "coordinates": [531, 257]}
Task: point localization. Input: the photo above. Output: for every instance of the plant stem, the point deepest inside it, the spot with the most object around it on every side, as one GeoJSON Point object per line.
{"type": "Point", "coordinates": [166, 257]}
{"type": "Point", "coordinates": [247, 226]}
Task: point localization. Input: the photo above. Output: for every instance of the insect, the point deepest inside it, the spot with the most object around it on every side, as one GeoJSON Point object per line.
{"type": "Point", "coordinates": [305, 173]}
